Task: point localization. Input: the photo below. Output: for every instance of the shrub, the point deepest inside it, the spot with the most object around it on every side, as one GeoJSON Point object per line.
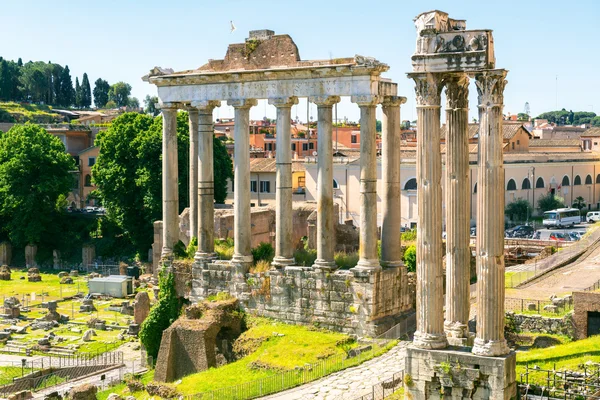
{"type": "Point", "coordinates": [305, 257]}
{"type": "Point", "coordinates": [162, 315]}
{"type": "Point", "coordinates": [550, 202]}
{"type": "Point", "coordinates": [409, 236]}
{"type": "Point", "coordinates": [518, 210]}
{"type": "Point", "coordinates": [179, 250]}
{"type": "Point", "coordinates": [263, 252]}
{"type": "Point", "coordinates": [260, 266]}
{"type": "Point", "coordinates": [224, 248]}
{"type": "Point", "coordinates": [346, 260]}
{"type": "Point", "coordinates": [192, 247]}
{"type": "Point", "coordinates": [410, 258]}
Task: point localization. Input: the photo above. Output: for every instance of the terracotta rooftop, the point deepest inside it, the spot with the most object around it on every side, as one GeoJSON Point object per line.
{"type": "Point", "coordinates": [269, 165]}
{"type": "Point", "coordinates": [555, 143]}
{"type": "Point", "coordinates": [592, 132]}
{"type": "Point", "coordinates": [509, 130]}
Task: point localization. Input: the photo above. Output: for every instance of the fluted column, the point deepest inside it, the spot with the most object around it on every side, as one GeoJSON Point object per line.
{"type": "Point", "coordinates": [170, 190]}
{"type": "Point", "coordinates": [284, 249]}
{"type": "Point", "coordinates": [193, 171]}
{"type": "Point", "coordinates": [242, 238]}
{"type": "Point", "coordinates": [367, 253]}
{"type": "Point", "coordinates": [430, 301]}
{"type": "Point", "coordinates": [325, 215]}
{"type": "Point", "coordinates": [458, 257]}
{"type": "Point", "coordinates": [205, 181]}
{"type": "Point", "coordinates": [391, 253]}
{"type": "Point", "coordinates": [489, 340]}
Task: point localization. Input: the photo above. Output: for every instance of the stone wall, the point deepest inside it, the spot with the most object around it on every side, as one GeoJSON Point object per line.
{"type": "Point", "coordinates": [584, 302]}
{"type": "Point", "coordinates": [540, 324]}
{"type": "Point", "coordinates": [352, 302]}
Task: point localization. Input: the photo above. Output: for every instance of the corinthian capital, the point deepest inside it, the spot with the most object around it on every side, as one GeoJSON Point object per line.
{"type": "Point", "coordinates": [393, 101]}
{"type": "Point", "coordinates": [428, 88]}
{"type": "Point", "coordinates": [325, 101]}
{"type": "Point", "coordinates": [366, 100]}
{"type": "Point", "coordinates": [490, 87]}
{"type": "Point", "coordinates": [457, 91]}
{"type": "Point", "coordinates": [205, 106]}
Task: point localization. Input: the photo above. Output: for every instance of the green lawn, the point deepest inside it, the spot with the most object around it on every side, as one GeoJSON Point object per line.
{"type": "Point", "coordinates": [48, 289]}
{"type": "Point", "coordinates": [28, 112]}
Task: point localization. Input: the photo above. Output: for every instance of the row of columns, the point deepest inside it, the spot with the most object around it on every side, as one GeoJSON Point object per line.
{"type": "Point", "coordinates": [202, 182]}
{"type": "Point", "coordinates": [432, 331]}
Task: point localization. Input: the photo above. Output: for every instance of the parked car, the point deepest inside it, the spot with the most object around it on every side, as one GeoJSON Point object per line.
{"type": "Point", "coordinates": [575, 236]}
{"type": "Point", "coordinates": [592, 216]}
{"type": "Point", "coordinates": [90, 209]}
{"type": "Point", "coordinates": [519, 231]}
{"type": "Point", "coordinates": [558, 236]}
{"type": "Point", "coordinates": [537, 235]}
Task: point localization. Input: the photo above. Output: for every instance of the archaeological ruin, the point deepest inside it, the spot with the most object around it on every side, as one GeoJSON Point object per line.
{"type": "Point", "coordinates": [445, 359]}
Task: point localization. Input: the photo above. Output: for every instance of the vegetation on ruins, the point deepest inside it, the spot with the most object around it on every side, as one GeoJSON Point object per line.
{"type": "Point", "coordinates": [35, 177]}
{"type": "Point", "coordinates": [162, 314]}
{"type": "Point", "coordinates": [550, 202]}
{"type": "Point", "coordinates": [518, 210]}
{"type": "Point", "coordinates": [263, 252]}
{"type": "Point", "coordinates": [410, 258]}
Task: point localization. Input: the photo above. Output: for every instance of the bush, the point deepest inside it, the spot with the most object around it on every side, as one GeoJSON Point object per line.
{"type": "Point", "coordinates": [263, 252]}
{"type": "Point", "coordinates": [162, 315]}
{"type": "Point", "coordinates": [305, 257]}
{"type": "Point", "coordinates": [410, 258]}
{"type": "Point", "coordinates": [224, 248]}
{"type": "Point", "coordinates": [409, 236]}
{"type": "Point", "coordinates": [179, 250]}
{"type": "Point", "coordinates": [518, 210]}
{"type": "Point", "coordinates": [550, 202]}
{"type": "Point", "coordinates": [346, 260]}
{"type": "Point", "coordinates": [192, 247]}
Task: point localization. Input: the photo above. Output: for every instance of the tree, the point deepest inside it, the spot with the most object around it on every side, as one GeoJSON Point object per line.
{"type": "Point", "coordinates": [150, 105]}
{"type": "Point", "coordinates": [523, 117]}
{"type": "Point", "coordinates": [35, 174]}
{"type": "Point", "coordinates": [550, 202]}
{"type": "Point", "coordinates": [101, 90]}
{"type": "Point", "coordinates": [128, 173]}
{"type": "Point", "coordinates": [595, 121]}
{"type": "Point", "coordinates": [410, 258]}
{"type": "Point", "coordinates": [579, 203]}
{"type": "Point", "coordinates": [86, 92]}
{"type": "Point", "coordinates": [133, 103]}
{"type": "Point", "coordinates": [518, 210]}
{"type": "Point", "coordinates": [119, 93]}
{"type": "Point", "coordinates": [67, 93]}
{"type": "Point", "coordinates": [77, 93]}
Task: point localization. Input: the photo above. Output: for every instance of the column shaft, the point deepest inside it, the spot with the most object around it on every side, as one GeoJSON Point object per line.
{"type": "Point", "coordinates": [368, 258]}
{"type": "Point", "coordinates": [170, 188]}
{"type": "Point", "coordinates": [241, 197]}
{"type": "Point", "coordinates": [391, 254]}
{"type": "Point", "coordinates": [458, 257]}
{"type": "Point", "coordinates": [430, 301]}
{"type": "Point", "coordinates": [325, 215]}
{"type": "Point", "coordinates": [193, 172]}
{"type": "Point", "coordinates": [284, 249]}
{"type": "Point", "coordinates": [489, 340]}
{"type": "Point", "coordinates": [206, 186]}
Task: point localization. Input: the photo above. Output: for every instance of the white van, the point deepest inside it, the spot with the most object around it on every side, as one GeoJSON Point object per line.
{"type": "Point", "coordinates": [593, 216]}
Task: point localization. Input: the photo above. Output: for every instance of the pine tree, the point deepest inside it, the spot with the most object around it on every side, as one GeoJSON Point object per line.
{"type": "Point", "coordinates": [77, 93]}
{"type": "Point", "coordinates": [101, 90]}
{"type": "Point", "coordinates": [66, 88]}
{"type": "Point", "coordinates": [20, 62]}
{"type": "Point", "coordinates": [86, 92]}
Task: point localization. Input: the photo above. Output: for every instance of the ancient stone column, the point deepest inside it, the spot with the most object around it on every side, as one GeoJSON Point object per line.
{"type": "Point", "coordinates": [170, 190]}
{"type": "Point", "coordinates": [193, 171]}
{"type": "Point", "coordinates": [391, 254]}
{"type": "Point", "coordinates": [241, 196]}
{"type": "Point", "coordinates": [284, 249]}
{"type": "Point", "coordinates": [430, 301]}
{"type": "Point", "coordinates": [325, 214]}
{"type": "Point", "coordinates": [489, 340]}
{"type": "Point", "coordinates": [205, 182]}
{"type": "Point", "coordinates": [368, 258]}
{"type": "Point", "coordinates": [458, 257]}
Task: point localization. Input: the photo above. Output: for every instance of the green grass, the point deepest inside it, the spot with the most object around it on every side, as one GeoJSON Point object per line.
{"type": "Point", "coordinates": [7, 373]}
{"type": "Point", "coordinates": [27, 112]}
{"type": "Point", "coordinates": [566, 356]}
{"type": "Point", "coordinates": [48, 289]}
{"type": "Point", "coordinates": [514, 278]}
{"type": "Point", "coordinates": [122, 388]}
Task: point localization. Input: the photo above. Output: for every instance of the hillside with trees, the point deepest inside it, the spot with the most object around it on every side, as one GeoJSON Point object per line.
{"type": "Point", "coordinates": [564, 117]}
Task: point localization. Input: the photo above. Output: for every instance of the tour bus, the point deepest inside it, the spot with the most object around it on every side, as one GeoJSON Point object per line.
{"type": "Point", "coordinates": [561, 217]}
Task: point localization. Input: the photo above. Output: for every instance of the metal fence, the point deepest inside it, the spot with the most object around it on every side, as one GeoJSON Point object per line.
{"type": "Point", "coordinates": [403, 330]}
{"type": "Point", "coordinates": [593, 288]}
{"type": "Point", "coordinates": [385, 389]}
{"type": "Point", "coordinates": [537, 306]}
{"type": "Point", "coordinates": [538, 383]}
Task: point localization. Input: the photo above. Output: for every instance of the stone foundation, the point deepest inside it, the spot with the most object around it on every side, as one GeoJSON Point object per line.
{"type": "Point", "coordinates": [455, 373]}
{"type": "Point", "coordinates": [360, 303]}
{"type": "Point", "coordinates": [540, 324]}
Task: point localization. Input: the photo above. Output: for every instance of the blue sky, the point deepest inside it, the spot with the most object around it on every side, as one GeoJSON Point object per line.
{"type": "Point", "coordinates": [536, 40]}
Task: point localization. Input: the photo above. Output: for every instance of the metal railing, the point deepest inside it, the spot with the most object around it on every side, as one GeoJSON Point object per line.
{"type": "Point", "coordinates": [384, 389]}
{"type": "Point", "coordinates": [592, 288]}
{"type": "Point", "coordinates": [402, 330]}
{"type": "Point", "coordinates": [541, 383]}
{"type": "Point", "coordinates": [537, 306]}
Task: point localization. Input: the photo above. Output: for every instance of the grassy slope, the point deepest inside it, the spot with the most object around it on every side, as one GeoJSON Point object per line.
{"type": "Point", "coordinates": [28, 112]}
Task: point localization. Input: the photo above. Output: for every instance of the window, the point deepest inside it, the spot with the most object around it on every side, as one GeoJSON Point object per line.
{"type": "Point", "coordinates": [301, 181]}
{"type": "Point", "coordinates": [265, 186]}
{"type": "Point", "coordinates": [526, 184]}
{"type": "Point", "coordinates": [253, 186]}
{"type": "Point", "coordinates": [311, 146]}
{"type": "Point", "coordinates": [511, 185]}
{"type": "Point", "coordinates": [539, 184]}
{"type": "Point", "coordinates": [353, 139]}
{"type": "Point", "coordinates": [88, 180]}
{"type": "Point", "coordinates": [513, 145]}
{"type": "Point", "coordinates": [565, 181]}
{"type": "Point", "coordinates": [588, 180]}
{"type": "Point", "coordinates": [475, 189]}
{"type": "Point", "coordinates": [577, 180]}
{"type": "Point", "coordinates": [336, 185]}
{"type": "Point", "coordinates": [293, 146]}
{"type": "Point", "coordinates": [598, 178]}
{"type": "Point", "coordinates": [518, 142]}
{"type": "Point", "coordinates": [304, 146]}
{"type": "Point", "coordinates": [91, 161]}
{"type": "Point", "coordinates": [410, 184]}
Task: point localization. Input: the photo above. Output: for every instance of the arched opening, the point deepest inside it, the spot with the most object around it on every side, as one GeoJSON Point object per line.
{"type": "Point", "coordinates": [411, 184]}
{"type": "Point", "coordinates": [577, 180]}
{"type": "Point", "coordinates": [475, 188]}
{"type": "Point", "coordinates": [336, 185]}
{"type": "Point", "coordinates": [526, 184]}
{"type": "Point", "coordinates": [588, 180]}
{"type": "Point", "coordinates": [511, 185]}
{"type": "Point", "coordinates": [88, 180]}
{"type": "Point", "coordinates": [539, 184]}
{"type": "Point", "coordinates": [598, 178]}
{"type": "Point", "coordinates": [565, 181]}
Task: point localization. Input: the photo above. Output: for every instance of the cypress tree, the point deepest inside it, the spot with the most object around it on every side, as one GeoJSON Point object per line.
{"type": "Point", "coordinates": [77, 93]}
{"type": "Point", "coordinates": [86, 92]}
{"type": "Point", "coordinates": [66, 88]}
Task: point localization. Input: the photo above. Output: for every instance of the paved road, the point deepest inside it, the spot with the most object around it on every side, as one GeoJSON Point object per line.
{"type": "Point", "coordinates": [349, 383]}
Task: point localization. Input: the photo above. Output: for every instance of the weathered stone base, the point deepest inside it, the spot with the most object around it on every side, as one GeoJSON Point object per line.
{"type": "Point", "coordinates": [456, 374]}
{"type": "Point", "coordinates": [365, 303]}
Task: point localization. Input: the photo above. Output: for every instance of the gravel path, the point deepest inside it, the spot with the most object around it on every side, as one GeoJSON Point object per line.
{"type": "Point", "coordinates": [349, 383]}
